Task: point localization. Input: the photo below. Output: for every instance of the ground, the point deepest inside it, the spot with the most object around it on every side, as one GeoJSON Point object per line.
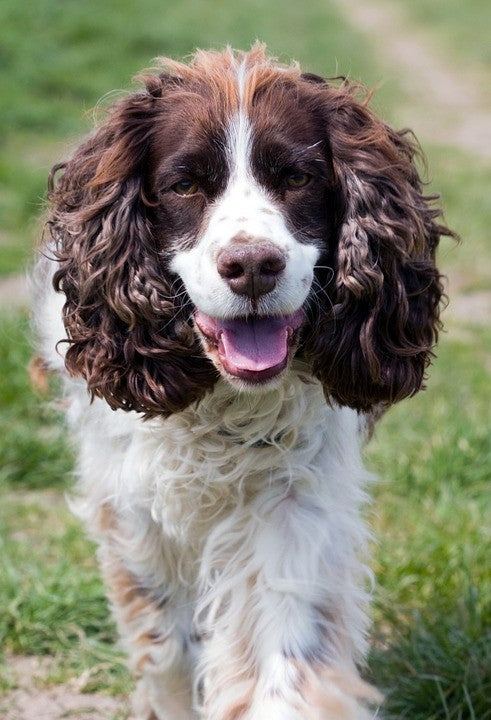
{"type": "Point", "coordinates": [32, 701]}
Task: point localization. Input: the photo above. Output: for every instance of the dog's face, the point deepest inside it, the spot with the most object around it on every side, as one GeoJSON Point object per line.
{"type": "Point", "coordinates": [244, 212]}
{"type": "Point", "coordinates": [233, 215]}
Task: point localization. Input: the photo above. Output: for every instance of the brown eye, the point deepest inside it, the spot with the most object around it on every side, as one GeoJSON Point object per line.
{"type": "Point", "coordinates": [297, 179]}
{"type": "Point", "coordinates": [186, 187]}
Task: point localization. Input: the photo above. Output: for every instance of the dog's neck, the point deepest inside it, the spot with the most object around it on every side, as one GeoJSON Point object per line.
{"type": "Point", "coordinates": [272, 418]}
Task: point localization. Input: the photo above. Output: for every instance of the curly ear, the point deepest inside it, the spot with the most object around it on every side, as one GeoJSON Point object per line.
{"type": "Point", "coordinates": [374, 339]}
{"type": "Point", "coordinates": [127, 333]}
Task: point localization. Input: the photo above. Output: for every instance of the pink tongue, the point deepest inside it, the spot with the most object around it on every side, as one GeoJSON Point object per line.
{"type": "Point", "coordinates": [254, 344]}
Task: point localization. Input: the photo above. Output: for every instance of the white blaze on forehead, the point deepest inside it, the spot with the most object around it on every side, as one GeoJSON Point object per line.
{"type": "Point", "coordinates": [246, 208]}
{"type": "Point", "coordinates": [242, 72]}
{"type": "Point", "coordinates": [241, 208]}
{"type": "Point", "coordinates": [239, 145]}
{"type": "Point", "coordinates": [239, 133]}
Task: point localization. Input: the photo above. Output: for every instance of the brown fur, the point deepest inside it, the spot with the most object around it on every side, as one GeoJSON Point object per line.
{"type": "Point", "coordinates": [39, 374]}
{"type": "Point", "coordinates": [128, 334]}
{"type": "Point", "coordinates": [375, 339]}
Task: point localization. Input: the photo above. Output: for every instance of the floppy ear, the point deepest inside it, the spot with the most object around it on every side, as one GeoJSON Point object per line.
{"type": "Point", "coordinates": [127, 333]}
{"type": "Point", "coordinates": [375, 335]}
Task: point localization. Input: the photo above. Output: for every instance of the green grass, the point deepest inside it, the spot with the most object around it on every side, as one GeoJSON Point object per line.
{"type": "Point", "coordinates": [464, 184]}
{"type": "Point", "coordinates": [51, 594]}
{"type": "Point", "coordinates": [433, 598]}
{"type": "Point", "coordinates": [33, 450]}
{"type": "Point", "coordinates": [437, 666]}
{"type": "Point", "coordinates": [431, 648]}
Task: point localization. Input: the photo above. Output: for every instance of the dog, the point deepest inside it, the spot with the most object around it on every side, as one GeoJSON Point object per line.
{"type": "Point", "coordinates": [238, 276]}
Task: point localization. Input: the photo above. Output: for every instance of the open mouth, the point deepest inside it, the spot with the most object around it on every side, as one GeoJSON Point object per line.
{"type": "Point", "coordinates": [255, 349]}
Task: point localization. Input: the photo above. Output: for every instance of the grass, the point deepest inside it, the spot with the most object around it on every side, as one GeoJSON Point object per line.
{"type": "Point", "coordinates": [433, 603]}
{"type": "Point", "coordinates": [464, 184]}
{"type": "Point", "coordinates": [51, 595]}
{"type": "Point", "coordinates": [432, 606]}
{"type": "Point", "coordinates": [439, 665]}
{"type": "Point", "coordinates": [33, 450]}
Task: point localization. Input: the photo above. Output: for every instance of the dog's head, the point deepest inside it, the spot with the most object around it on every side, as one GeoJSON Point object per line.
{"type": "Point", "coordinates": [237, 213]}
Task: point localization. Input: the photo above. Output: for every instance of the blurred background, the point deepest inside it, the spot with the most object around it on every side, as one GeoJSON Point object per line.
{"type": "Point", "coordinates": [430, 61]}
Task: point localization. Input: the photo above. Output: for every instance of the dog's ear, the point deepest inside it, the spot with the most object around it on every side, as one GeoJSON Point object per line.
{"type": "Point", "coordinates": [126, 333]}
{"type": "Point", "coordinates": [379, 313]}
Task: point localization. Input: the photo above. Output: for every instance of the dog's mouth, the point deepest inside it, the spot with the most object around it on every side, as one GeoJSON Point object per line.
{"type": "Point", "coordinates": [255, 349]}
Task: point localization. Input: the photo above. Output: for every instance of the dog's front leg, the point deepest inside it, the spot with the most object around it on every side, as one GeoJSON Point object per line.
{"type": "Point", "coordinates": [282, 613]}
{"type": "Point", "coordinates": [153, 615]}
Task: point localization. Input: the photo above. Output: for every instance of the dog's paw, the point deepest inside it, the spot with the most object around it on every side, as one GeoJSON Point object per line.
{"type": "Point", "coordinates": [331, 694]}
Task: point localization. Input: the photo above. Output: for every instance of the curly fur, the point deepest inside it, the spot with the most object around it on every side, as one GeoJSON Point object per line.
{"type": "Point", "coordinates": [118, 294]}
{"type": "Point", "coordinates": [227, 514]}
{"type": "Point", "coordinates": [376, 340]}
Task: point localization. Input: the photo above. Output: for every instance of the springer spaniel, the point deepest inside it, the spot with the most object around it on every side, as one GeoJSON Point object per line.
{"type": "Point", "coordinates": [243, 268]}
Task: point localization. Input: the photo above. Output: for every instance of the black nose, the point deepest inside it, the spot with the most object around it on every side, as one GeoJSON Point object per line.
{"type": "Point", "coordinates": [251, 269]}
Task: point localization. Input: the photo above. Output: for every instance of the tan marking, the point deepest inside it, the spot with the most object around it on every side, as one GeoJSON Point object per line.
{"type": "Point", "coordinates": [151, 637]}
{"type": "Point", "coordinates": [140, 665]}
{"type": "Point", "coordinates": [334, 693]}
{"type": "Point", "coordinates": [125, 591]}
{"type": "Point", "coordinates": [372, 418]}
{"type": "Point", "coordinates": [242, 238]}
{"type": "Point", "coordinates": [214, 70]}
{"type": "Point", "coordinates": [240, 707]}
{"type": "Point", "coordinates": [239, 710]}
{"type": "Point", "coordinates": [145, 638]}
{"type": "Point", "coordinates": [39, 374]}
{"type": "Point", "coordinates": [125, 587]}
{"type": "Point", "coordinates": [106, 517]}
{"type": "Point", "coordinates": [262, 71]}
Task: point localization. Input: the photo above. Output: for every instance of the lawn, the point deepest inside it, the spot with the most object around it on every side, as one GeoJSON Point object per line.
{"type": "Point", "coordinates": [432, 646]}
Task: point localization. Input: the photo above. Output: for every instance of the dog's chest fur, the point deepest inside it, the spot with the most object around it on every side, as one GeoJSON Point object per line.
{"type": "Point", "coordinates": [209, 468]}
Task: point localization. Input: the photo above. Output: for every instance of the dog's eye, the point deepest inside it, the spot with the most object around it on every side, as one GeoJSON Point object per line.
{"type": "Point", "coordinates": [186, 187]}
{"type": "Point", "coordinates": [297, 179]}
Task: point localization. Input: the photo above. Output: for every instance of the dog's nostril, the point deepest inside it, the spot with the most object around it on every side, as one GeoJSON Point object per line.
{"type": "Point", "coordinates": [251, 269]}
{"type": "Point", "coordinates": [230, 270]}
{"type": "Point", "coordinates": [272, 266]}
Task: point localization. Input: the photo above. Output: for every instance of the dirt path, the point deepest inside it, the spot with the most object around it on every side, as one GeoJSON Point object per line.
{"type": "Point", "coordinates": [32, 700]}
{"type": "Point", "coordinates": [445, 102]}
